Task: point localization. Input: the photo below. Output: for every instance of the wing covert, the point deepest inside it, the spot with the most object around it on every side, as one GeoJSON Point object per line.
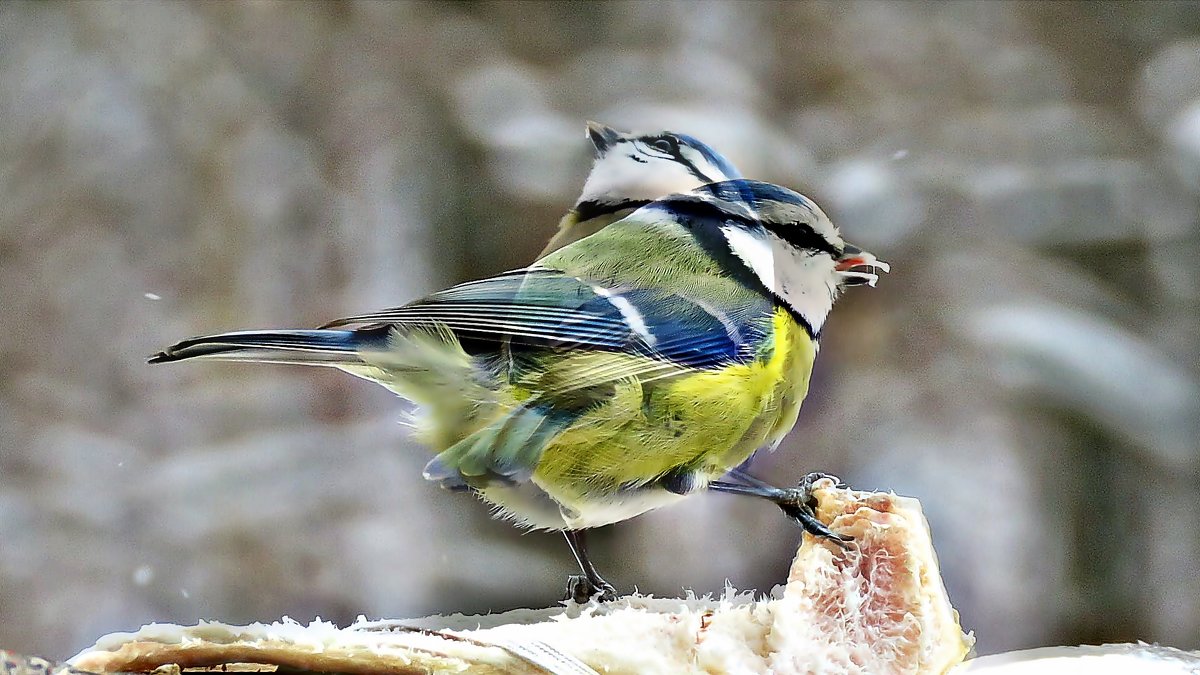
{"type": "Point", "coordinates": [547, 309]}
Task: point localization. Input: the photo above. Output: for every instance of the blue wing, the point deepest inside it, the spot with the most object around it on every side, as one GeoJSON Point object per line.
{"type": "Point", "coordinates": [546, 309]}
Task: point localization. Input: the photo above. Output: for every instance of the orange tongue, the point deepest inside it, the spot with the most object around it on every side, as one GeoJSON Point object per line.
{"type": "Point", "coordinates": [847, 263]}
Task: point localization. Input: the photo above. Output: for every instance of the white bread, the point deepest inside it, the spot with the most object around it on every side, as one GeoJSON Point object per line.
{"type": "Point", "coordinates": [877, 608]}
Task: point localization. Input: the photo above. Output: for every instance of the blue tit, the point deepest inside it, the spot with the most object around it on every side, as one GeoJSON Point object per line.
{"type": "Point", "coordinates": [620, 373]}
{"type": "Point", "coordinates": [631, 170]}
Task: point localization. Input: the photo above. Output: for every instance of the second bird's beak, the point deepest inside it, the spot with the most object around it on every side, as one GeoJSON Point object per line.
{"type": "Point", "coordinates": [853, 258]}
{"type": "Point", "coordinates": [602, 137]}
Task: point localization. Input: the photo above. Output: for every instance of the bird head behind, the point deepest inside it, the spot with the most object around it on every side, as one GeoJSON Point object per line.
{"type": "Point", "coordinates": [630, 169]}
{"type": "Point", "coordinates": [778, 238]}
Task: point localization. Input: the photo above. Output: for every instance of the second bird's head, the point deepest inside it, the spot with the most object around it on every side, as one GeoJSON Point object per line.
{"type": "Point", "coordinates": [631, 170]}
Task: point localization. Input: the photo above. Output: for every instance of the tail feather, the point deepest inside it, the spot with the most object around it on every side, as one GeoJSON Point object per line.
{"type": "Point", "coordinates": [318, 347]}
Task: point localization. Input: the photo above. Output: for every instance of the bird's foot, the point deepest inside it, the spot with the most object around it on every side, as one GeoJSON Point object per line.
{"type": "Point", "coordinates": [799, 504]}
{"type": "Point", "coordinates": [582, 590]}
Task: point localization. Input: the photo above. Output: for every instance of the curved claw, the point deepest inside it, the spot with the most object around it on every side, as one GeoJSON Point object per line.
{"type": "Point", "coordinates": [581, 590]}
{"type": "Point", "coordinates": [802, 515]}
{"type": "Point", "coordinates": [799, 505]}
{"type": "Point", "coordinates": [812, 477]}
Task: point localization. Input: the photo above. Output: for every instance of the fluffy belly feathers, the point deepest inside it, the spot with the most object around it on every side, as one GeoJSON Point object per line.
{"type": "Point", "coordinates": [706, 422]}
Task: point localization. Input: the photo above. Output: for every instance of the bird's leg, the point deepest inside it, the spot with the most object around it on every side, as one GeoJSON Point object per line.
{"type": "Point", "coordinates": [797, 503]}
{"type": "Point", "coordinates": [583, 587]}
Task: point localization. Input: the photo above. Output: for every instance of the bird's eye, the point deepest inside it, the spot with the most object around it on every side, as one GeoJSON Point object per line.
{"type": "Point", "coordinates": [662, 145]}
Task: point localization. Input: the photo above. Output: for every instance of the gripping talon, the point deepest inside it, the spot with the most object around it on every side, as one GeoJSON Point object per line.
{"type": "Point", "coordinates": [803, 516]}
{"type": "Point", "coordinates": [581, 590]}
{"type": "Point", "coordinates": [799, 504]}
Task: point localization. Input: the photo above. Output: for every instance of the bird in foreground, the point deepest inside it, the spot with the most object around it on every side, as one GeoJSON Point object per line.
{"type": "Point", "coordinates": [631, 170]}
{"type": "Point", "coordinates": [616, 375]}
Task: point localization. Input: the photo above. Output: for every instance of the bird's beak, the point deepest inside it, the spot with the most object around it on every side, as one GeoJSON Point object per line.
{"type": "Point", "coordinates": [853, 259]}
{"type": "Point", "coordinates": [602, 136]}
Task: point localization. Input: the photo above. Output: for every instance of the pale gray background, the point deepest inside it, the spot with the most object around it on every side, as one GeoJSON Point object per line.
{"type": "Point", "coordinates": [1029, 369]}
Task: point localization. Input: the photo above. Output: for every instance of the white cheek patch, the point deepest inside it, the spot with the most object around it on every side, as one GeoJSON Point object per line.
{"type": "Point", "coordinates": [755, 251]}
{"type": "Point", "coordinates": [806, 282]}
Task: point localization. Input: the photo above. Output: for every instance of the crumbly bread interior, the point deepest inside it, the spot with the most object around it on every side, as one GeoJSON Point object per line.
{"type": "Point", "coordinates": [879, 607]}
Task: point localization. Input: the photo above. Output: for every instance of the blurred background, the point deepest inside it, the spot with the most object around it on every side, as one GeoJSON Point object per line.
{"type": "Point", "coordinates": [1030, 369]}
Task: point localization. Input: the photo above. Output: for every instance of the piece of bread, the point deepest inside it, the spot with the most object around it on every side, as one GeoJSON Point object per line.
{"type": "Point", "coordinates": [877, 608]}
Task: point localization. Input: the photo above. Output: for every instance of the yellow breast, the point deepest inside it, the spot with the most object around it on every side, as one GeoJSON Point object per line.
{"type": "Point", "coordinates": [767, 393]}
{"type": "Point", "coordinates": [702, 420]}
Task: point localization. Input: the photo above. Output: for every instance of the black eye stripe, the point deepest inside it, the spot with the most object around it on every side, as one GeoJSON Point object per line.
{"type": "Point", "coordinates": [666, 143]}
{"type": "Point", "coordinates": [803, 236]}
{"type": "Point", "coordinates": [676, 154]}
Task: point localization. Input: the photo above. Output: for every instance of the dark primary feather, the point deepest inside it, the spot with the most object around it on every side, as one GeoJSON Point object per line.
{"type": "Point", "coordinates": [313, 345]}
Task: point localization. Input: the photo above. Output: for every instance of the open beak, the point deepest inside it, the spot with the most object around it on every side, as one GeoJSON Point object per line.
{"type": "Point", "coordinates": [602, 137]}
{"type": "Point", "coordinates": [856, 267]}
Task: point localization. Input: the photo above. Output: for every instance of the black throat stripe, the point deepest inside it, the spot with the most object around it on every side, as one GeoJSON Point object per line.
{"type": "Point", "coordinates": [589, 209]}
{"type": "Point", "coordinates": [677, 155]}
